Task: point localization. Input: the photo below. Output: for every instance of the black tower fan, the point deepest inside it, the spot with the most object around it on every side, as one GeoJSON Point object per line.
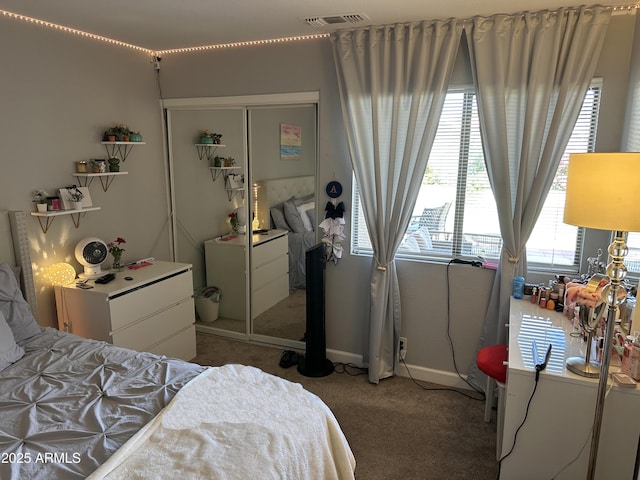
{"type": "Point", "coordinates": [315, 362]}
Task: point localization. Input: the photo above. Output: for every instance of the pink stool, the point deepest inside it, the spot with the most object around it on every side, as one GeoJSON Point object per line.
{"type": "Point", "coordinates": [492, 361]}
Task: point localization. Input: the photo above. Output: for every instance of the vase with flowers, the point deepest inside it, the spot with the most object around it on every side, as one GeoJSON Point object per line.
{"type": "Point", "coordinates": [116, 250]}
{"type": "Point", "coordinates": [40, 199]}
{"type": "Point", "coordinates": [233, 219]}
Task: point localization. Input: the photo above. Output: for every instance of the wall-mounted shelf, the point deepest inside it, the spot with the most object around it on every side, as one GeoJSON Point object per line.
{"type": "Point", "coordinates": [120, 150]}
{"type": "Point", "coordinates": [207, 150]}
{"type": "Point", "coordinates": [225, 171]}
{"type": "Point", "coordinates": [50, 216]}
{"type": "Point", "coordinates": [106, 179]}
{"type": "Point", "coordinates": [232, 192]}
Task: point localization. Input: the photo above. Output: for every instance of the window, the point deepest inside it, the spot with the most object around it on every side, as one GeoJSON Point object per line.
{"type": "Point", "coordinates": [455, 214]}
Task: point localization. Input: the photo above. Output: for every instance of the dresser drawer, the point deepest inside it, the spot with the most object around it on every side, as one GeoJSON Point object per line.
{"type": "Point", "coordinates": [268, 251]}
{"type": "Point", "coordinates": [144, 334]}
{"type": "Point", "coordinates": [267, 272]}
{"type": "Point", "coordinates": [145, 301]}
{"type": "Point", "coordinates": [266, 297]}
{"type": "Point", "coordinates": [181, 345]}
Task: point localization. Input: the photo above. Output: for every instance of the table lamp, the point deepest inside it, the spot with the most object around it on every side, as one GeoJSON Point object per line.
{"type": "Point", "coordinates": [603, 192]}
{"type": "Point", "coordinates": [60, 274]}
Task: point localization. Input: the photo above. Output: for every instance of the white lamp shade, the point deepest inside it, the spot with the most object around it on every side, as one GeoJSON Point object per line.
{"type": "Point", "coordinates": [60, 274]}
{"type": "Point", "coordinates": [603, 191]}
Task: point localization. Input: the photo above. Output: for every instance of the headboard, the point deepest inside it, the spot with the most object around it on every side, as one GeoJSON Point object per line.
{"type": "Point", "coordinates": [14, 250]}
{"type": "Point", "coordinates": [278, 190]}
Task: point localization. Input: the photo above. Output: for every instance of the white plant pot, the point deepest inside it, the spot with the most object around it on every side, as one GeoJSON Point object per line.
{"type": "Point", "coordinates": [42, 207]}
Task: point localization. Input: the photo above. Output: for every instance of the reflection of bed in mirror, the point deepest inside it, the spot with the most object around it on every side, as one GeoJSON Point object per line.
{"type": "Point", "coordinates": [289, 204]}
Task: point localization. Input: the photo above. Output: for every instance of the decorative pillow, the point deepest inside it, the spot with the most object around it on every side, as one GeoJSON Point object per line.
{"type": "Point", "coordinates": [277, 215]}
{"type": "Point", "coordinates": [293, 216]}
{"type": "Point", "coordinates": [13, 306]}
{"type": "Point", "coordinates": [306, 211]}
{"type": "Point", "coordinates": [10, 352]}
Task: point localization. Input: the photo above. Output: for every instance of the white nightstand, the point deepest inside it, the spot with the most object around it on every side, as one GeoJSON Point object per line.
{"type": "Point", "coordinates": [153, 312]}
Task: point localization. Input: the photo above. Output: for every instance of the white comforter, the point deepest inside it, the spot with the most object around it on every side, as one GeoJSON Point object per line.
{"type": "Point", "coordinates": [237, 422]}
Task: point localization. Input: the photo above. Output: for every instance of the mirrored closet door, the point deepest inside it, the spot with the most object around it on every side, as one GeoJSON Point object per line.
{"type": "Point", "coordinates": [262, 174]}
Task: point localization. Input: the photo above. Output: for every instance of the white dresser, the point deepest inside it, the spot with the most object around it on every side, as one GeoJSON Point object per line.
{"type": "Point", "coordinates": [153, 312]}
{"type": "Point", "coordinates": [561, 413]}
{"type": "Point", "coordinates": [225, 265]}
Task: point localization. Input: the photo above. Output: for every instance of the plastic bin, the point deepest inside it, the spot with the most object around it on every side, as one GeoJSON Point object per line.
{"type": "Point", "coordinates": [207, 302]}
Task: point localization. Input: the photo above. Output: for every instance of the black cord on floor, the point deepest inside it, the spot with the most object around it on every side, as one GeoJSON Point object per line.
{"type": "Point", "coordinates": [349, 369]}
{"type": "Point", "coordinates": [515, 436]}
{"type": "Point", "coordinates": [436, 389]}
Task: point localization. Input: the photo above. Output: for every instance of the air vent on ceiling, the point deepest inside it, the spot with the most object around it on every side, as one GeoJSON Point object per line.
{"type": "Point", "coordinates": [336, 19]}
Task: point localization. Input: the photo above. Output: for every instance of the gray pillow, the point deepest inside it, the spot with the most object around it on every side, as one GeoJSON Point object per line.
{"type": "Point", "coordinates": [15, 309]}
{"type": "Point", "coordinates": [292, 214]}
{"type": "Point", "coordinates": [10, 352]}
{"type": "Point", "coordinates": [277, 215]}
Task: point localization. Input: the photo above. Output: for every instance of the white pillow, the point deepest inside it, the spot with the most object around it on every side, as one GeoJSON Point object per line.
{"type": "Point", "coordinates": [10, 352]}
{"type": "Point", "coordinates": [306, 211]}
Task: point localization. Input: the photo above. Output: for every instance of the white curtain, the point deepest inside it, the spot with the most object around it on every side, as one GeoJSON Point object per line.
{"type": "Point", "coordinates": [392, 82]}
{"type": "Point", "coordinates": [531, 72]}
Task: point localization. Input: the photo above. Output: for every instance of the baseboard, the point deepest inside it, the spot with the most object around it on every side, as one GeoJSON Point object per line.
{"type": "Point", "coordinates": [439, 377]}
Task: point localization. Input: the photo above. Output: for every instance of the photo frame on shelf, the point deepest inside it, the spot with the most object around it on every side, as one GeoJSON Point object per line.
{"type": "Point", "coordinates": [67, 199]}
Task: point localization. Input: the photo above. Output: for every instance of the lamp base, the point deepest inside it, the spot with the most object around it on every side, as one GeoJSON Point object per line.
{"type": "Point", "coordinates": [578, 366]}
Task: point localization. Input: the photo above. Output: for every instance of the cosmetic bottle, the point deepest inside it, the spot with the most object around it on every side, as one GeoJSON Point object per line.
{"type": "Point", "coordinates": [518, 287]}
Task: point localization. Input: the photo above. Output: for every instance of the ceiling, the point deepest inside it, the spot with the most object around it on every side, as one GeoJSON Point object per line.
{"type": "Point", "coordinates": [160, 25]}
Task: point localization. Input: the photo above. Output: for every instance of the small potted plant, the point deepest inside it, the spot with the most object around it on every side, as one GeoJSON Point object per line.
{"type": "Point", "coordinates": [114, 164]}
{"type": "Point", "coordinates": [40, 199]}
{"type": "Point", "coordinates": [205, 137]}
{"type": "Point", "coordinates": [135, 136]}
{"type": "Point", "coordinates": [229, 162]}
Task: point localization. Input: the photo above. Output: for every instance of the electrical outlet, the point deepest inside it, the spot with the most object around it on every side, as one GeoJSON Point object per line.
{"type": "Point", "coordinates": [403, 348]}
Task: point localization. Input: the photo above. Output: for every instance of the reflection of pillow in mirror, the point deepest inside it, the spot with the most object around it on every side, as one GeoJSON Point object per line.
{"type": "Point", "coordinates": [306, 210]}
{"type": "Point", "coordinates": [277, 215]}
{"type": "Point", "coordinates": [12, 304]}
{"type": "Point", "coordinates": [293, 217]}
{"type": "Point", "coordinates": [10, 352]}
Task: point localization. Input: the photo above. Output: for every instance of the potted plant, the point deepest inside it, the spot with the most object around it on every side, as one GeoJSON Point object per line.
{"type": "Point", "coordinates": [135, 136]}
{"type": "Point", "coordinates": [40, 199]}
{"type": "Point", "coordinates": [205, 137]}
{"type": "Point", "coordinates": [229, 162]}
{"type": "Point", "coordinates": [114, 164]}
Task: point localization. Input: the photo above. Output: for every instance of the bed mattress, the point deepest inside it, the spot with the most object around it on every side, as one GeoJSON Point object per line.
{"type": "Point", "coordinates": [70, 403]}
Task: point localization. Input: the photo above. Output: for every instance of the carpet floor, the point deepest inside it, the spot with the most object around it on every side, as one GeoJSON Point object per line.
{"type": "Point", "coordinates": [396, 429]}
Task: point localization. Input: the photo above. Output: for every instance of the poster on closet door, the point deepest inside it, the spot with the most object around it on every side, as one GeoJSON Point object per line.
{"type": "Point", "coordinates": [290, 142]}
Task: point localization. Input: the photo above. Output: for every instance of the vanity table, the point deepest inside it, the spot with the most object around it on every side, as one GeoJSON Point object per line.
{"type": "Point", "coordinates": [226, 269]}
{"type": "Point", "coordinates": [557, 429]}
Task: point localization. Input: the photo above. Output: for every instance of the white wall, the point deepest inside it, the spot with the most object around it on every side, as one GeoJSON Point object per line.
{"type": "Point", "coordinates": [59, 92]}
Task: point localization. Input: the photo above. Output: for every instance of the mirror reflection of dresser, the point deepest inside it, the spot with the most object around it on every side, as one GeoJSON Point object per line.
{"type": "Point", "coordinates": [225, 265]}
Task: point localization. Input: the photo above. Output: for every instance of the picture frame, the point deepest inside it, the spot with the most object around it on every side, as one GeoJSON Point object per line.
{"type": "Point", "coordinates": [67, 202]}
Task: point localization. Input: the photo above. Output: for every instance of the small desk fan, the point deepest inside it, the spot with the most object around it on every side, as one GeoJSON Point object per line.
{"type": "Point", "coordinates": [91, 252]}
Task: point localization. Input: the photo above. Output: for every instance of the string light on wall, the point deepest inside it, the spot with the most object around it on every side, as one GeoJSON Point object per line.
{"type": "Point", "coordinates": [74, 31]}
{"type": "Point", "coordinates": [617, 10]}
